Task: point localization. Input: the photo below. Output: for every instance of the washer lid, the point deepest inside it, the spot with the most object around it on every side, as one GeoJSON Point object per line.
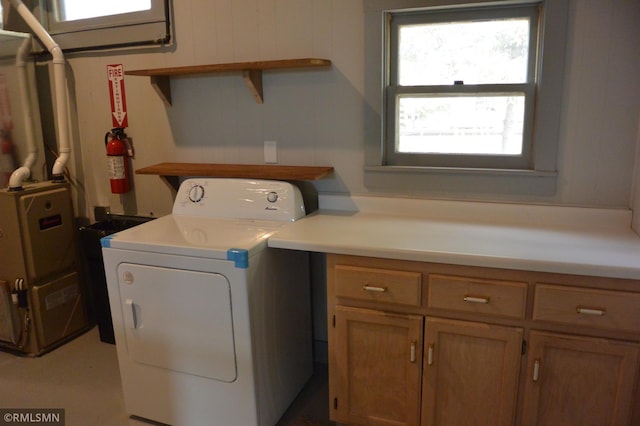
{"type": "Point", "coordinates": [212, 238]}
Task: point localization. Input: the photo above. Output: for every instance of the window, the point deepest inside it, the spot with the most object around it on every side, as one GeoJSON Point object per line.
{"type": "Point", "coordinates": [82, 24]}
{"type": "Point", "coordinates": [461, 87]}
{"type": "Point", "coordinates": [72, 10]}
{"type": "Point", "coordinates": [464, 99]}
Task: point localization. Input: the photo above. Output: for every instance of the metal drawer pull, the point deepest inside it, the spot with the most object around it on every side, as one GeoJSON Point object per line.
{"type": "Point", "coordinates": [590, 311]}
{"type": "Point", "coordinates": [430, 355]}
{"type": "Point", "coordinates": [413, 352]}
{"type": "Point", "coordinates": [536, 370]}
{"type": "Point", "coordinates": [476, 299]}
{"type": "Point", "coordinates": [374, 289]}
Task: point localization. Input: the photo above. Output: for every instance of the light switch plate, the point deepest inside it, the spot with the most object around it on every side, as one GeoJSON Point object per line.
{"type": "Point", "coordinates": [270, 152]}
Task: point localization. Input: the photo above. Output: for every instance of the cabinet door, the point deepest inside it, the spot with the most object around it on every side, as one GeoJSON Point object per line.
{"type": "Point", "coordinates": [470, 373]}
{"type": "Point", "coordinates": [376, 369]}
{"type": "Point", "coordinates": [575, 380]}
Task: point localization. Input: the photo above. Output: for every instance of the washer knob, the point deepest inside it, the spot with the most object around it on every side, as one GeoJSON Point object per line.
{"type": "Point", "coordinates": [272, 197]}
{"type": "Point", "coordinates": [196, 193]}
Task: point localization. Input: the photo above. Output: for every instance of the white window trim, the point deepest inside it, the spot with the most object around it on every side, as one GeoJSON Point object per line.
{"type": "Point", "coordinates": [540, 179]}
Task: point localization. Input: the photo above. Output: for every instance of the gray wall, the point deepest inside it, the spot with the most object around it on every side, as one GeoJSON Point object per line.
{"type": "Point", "coordinates": [317, 117]}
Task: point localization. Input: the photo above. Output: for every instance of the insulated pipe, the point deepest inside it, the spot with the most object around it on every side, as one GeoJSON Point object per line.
{"type": "Point", "coordinates": [64, 147]}
{"type": "Point", "coordinates": [24, 172]}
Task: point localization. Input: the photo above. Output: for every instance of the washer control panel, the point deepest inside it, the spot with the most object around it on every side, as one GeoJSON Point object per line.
{"type": "Point", "coordinates": [239, 198]}
{"type": "Point", "coordinates": [272, 197]}
{"type": "Point", "coordinates": [196, 193]}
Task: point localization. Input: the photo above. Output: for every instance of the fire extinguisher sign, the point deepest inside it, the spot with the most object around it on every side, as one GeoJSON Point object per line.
{"type": "Point", "coordinates": [115, 73]}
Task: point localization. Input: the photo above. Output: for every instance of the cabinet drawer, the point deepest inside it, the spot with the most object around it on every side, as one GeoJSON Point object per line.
{"type": "Point", "coordinates": [378, 285]}
{"type": "Point", "coordinates": [463, 294]}
{"type": "Point", "coordinates": [605, 309]}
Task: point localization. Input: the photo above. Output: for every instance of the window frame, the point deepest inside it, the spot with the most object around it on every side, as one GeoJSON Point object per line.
{"type": "Point", "coordinates": [146, 27]}
{"type": "Point", "coordinates": [538, 181]}
{"type": "Point", "coordinates": [396, 19]}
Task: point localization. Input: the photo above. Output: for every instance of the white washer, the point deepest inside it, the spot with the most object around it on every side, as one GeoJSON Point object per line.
{"type": "Point", "coordinates": [212, 326]}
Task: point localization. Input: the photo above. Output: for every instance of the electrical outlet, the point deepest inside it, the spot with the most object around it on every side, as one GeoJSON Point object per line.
{"type": "Point", "coordinates": [270, 152]}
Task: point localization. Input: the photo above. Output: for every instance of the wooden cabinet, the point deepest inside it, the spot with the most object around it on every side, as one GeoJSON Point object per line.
{"type": "Point", "coordinates": [593, 308]}
{"type": "Point", "coordinates": [465, 363]}
{"type": "Point", "coordinates": [382, 286]}
{"type": "Point", "coordinates": [377, 367]}
{"type": "Point", "coordinates": [464, 294]}
{"type": "Point", "coordinates": [413, 343]}
{"type": "Point", "coordinates": [575, 380]}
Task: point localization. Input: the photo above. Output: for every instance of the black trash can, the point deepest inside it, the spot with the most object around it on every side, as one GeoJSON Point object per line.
{"type": "Point", "coordinates": [98, 297]}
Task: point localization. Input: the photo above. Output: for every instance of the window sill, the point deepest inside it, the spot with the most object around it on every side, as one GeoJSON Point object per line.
{"type": "Point", "coordinates": [460, 171]}
{"type": "Point", "coordinates": [502, 183]}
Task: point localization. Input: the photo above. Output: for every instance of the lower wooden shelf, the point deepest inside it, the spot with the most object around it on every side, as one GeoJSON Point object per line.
{"type": "Point", "coordinates": [171, 172]}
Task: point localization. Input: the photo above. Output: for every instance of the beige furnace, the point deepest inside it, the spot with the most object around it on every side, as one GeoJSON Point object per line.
{"type": "Point", "coordinates": [41, 293]}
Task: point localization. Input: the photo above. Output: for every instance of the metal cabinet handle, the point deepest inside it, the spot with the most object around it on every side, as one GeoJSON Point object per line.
{"type": "Point", "coordinates": [413, 352]}
{"type": "Point", "coordinates": [536, 370]}
{"type": "Point", "coordinates": [375, 289]}
{"type": "Point", "coordinates": [590, 311]}
{"type": "Point", "coordinates": [476, 299]}
{"type": "Point", "coordinates": [430, 355]}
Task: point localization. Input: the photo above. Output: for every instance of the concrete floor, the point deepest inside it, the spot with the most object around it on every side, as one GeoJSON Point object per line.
{"type": "Point", "coordinates": [82, 377]}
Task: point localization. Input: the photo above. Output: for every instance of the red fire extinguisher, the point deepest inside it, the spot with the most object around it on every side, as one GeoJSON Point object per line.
{"type": "Point", "coordinates": [118, 151]}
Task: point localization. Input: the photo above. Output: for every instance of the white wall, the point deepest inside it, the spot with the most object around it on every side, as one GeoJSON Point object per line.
{"type": "Point", "coordinates": [602, 102]}
{"type": "Point", "coordinates": [317, 116]}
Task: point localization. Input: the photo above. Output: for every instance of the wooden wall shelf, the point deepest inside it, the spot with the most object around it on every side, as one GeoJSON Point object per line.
{"type": "Point", "coordinates": [172, 171]}
{"type": "Point", "coordinates": [251, 72]}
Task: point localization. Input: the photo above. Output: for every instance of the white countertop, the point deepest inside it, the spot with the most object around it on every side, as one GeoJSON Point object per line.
{"type": "Point", "coordinates": [571, 240]}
